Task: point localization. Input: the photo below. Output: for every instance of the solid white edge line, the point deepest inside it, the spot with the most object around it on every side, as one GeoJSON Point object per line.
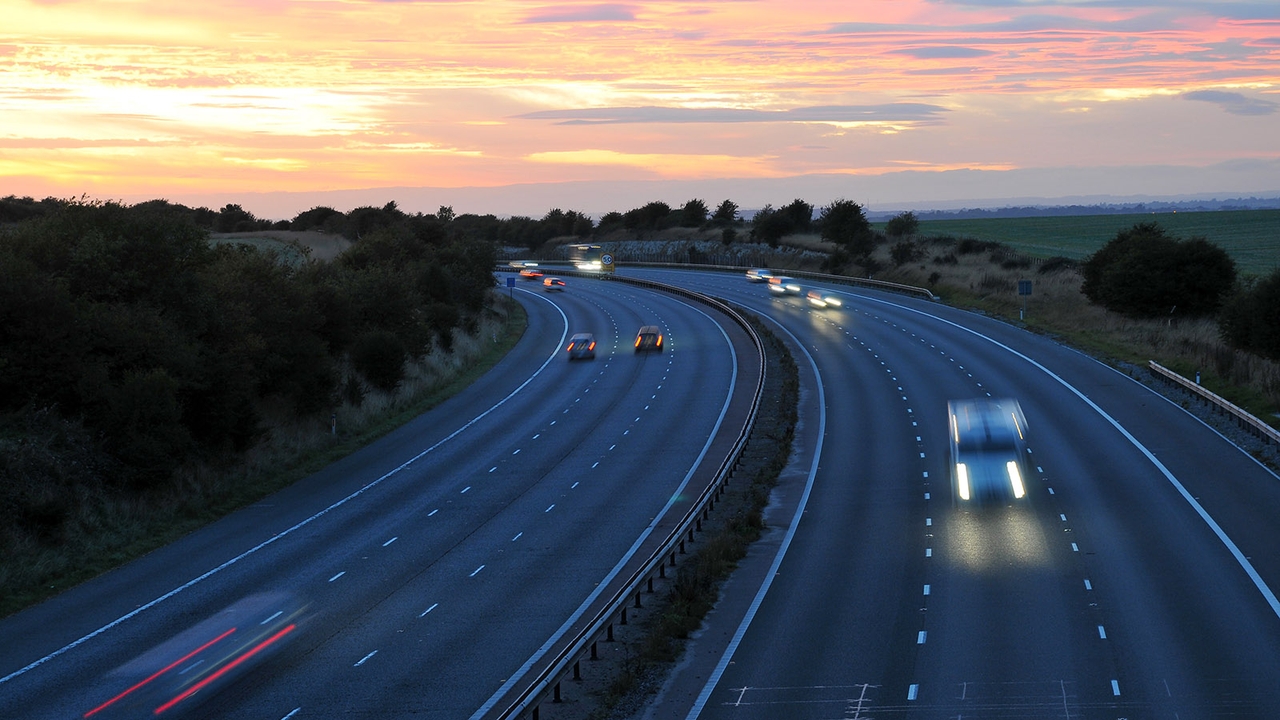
{"type": "Point", "coordinates": [143, 608]}
{"type": "Point", "coordinates": [721, 666]}
{"type": "Point", "coordinates": [573, 618]}
{"type": "Point", "coordinates": [1258, 582]}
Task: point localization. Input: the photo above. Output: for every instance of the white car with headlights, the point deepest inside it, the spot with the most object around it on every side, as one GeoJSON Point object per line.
{"type": "Point", "coordinates": [988, 447]}
{"type": "Point", "coordinates": [823, 298]}
{"type": "Point", "coordinates": [784, 285]}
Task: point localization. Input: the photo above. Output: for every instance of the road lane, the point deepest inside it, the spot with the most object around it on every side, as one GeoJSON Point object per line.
{"type": "Point", "coordinates": [430, 586]}
{"type": "Point", "coordinates": [1109, 595]}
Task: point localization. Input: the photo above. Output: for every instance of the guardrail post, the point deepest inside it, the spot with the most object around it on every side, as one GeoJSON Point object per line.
{"type": "Point", "coordinates": [650, 583]}
{"type": "Point", "coordinates": [556, 695]}
{"type": "Point", "coordinates": [577, 669]}
{"type": "Point", "coordinates": [623, 621]}
{"type": "Point", "coordinates": [609, 634]}
{"type": "Point", "coordinates": [638, 601]}
{"type": "Point", "coordinates": [595, 653]}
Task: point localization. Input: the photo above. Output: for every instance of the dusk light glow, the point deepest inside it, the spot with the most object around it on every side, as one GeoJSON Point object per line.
{"type": "Point", "coordinates": [162, 99]}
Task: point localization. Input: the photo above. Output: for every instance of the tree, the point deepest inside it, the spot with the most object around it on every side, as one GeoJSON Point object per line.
{"type": "Point", "coordinates": [609, 222]}
{"type": "Point", "coordinates": [379, 356]}
{"type": "Point", "coordinates": [799, 215]}
{"type": "Point", "coordinates": [768, 226]}
{"type": "Point", "coordinates": [1250, 317]}
{"type": "Point", "coordinates": [1144, 272]}
{"type": "Point", "coordinates": [844, 223]}
{"type": "Point", "coordinates": [902, 224]}
{"type": "Point", "coordinates": [726, 214]}
{"type": "Point", "coordinates": [233, 218]}
{"type": "Point", "coordinates": [312, 219]}
{"type": "Point", "coordinates": [693, 214]}
{"type": "Point", "coordinates": [649, 217]}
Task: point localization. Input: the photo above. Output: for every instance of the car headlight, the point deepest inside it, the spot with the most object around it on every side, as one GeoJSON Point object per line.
{"type": "Point", "coordinates": [962, 481]}
{"type": "Point", "coordinates": [1015, 477]}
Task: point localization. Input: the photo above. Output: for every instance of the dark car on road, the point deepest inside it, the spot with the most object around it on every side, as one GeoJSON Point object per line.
{"type": "Point", "coordinates": [582, 346]}
{"type": "Point", "coordinates": [649, 338]}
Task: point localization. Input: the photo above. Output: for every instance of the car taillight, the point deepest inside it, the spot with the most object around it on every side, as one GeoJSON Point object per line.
{"type": "Point", "coordinates": [592, 346]}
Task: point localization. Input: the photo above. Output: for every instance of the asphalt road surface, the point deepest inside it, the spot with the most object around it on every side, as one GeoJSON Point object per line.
{"type": "Point", "coordinates": [419, 575]}
{"type": "Point", "coordinates": [1135, 581]}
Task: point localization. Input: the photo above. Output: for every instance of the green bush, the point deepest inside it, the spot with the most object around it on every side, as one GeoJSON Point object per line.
{"type": "Point", "coordinates": [1250, 317]}
{"type": "Point", "coordinates": [379, 356]}
{"type": "Point", "coordinates": [1144, 272]}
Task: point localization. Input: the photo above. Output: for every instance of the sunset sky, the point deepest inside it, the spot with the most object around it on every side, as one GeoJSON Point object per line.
{"type": "Point", "coordinates": [890, 100]}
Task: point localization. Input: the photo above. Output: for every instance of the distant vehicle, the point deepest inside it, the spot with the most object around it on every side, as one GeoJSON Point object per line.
{"type": "Point", "coordinates": [759, 275]}
{"type": "Point", "coordinates": [784, 285]}
{"type": "Point", "coordinates": [649, 338]}
{"type": "Point", "coordinates": [531, 273]}
{"type": "Point", "coordinates": [823, 298]}
{"type": "Point", "coordinates": [552, 283]}
{"type": "Point", "coordinates": [517, 264]}
{"type": "Point", "coordinates": [582, 346]}
{"type": "Point", "coordinates": [988, 446]}
{"type": "Point", "coordinates": [590, 258]}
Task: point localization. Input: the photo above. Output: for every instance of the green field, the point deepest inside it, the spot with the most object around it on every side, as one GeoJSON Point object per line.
{"type": "Point", "coordinates": [1252, 237]}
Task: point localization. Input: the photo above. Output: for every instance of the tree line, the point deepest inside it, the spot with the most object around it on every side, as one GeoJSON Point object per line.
{"type": "Point", "coordinates": [167, 348]}
{"type": "Point", "coordinates": [842, 221]}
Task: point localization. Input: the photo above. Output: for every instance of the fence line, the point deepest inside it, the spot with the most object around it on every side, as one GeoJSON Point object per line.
{"type": "Point", "coordinates": [1243, 417]}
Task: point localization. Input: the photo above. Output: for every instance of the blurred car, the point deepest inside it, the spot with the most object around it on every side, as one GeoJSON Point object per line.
{"type": "Point", "coordinates": [988, 446]}
{"type": "Point", "coordinates": [174, 677]}
{"type": "Point", "coordinates": [582, 346]}
{"type": "Point", "coordinates": [649, 338]}
{"type": "Point", "coordinates": [823, 298]}
{"type": "Point", "coordinates": [759, 275]}
{"type": "Point", "coordinates": [552, 283]}
{"type": "Point", "coordinates": [530, 273]}
{"type": "Point", "coordinates": [784, 285]}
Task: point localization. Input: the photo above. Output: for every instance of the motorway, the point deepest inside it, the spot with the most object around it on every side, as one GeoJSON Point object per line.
{"type": "Point", "coordinates": [1136, 582]}
{"type": "Point", "coordinates": [427, 570]}
{"type": "Point", "coordinates": [417, 576]}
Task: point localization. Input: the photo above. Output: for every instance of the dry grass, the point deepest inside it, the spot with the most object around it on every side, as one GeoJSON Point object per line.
{"type": "Point", "coordinates": [290, 243]}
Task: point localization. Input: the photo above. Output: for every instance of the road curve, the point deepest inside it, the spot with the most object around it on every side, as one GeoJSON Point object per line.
{"type": "Point", "coordinates": [1136, 583]}
{"type": "Point", "coordinates": [425, 570]}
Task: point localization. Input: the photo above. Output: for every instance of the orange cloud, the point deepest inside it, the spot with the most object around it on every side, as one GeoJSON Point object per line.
{"type": "Point", "coordinates": [148, 94]}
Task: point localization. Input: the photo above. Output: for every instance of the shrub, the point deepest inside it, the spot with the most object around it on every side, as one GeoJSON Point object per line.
{"type": "Point", "coordinates": [379, 356]}
{"type": "Point", "coordinates": [1057, 263]}
{"type": "Point", "coordinates": [1144, 272]}
{"type": "Point", "coordinates": [902, 224]}
{"type": "Point", "coordinates": [904, 252]}
{"type": "Point", "coordinates": [1250, 318]}
{"type": "Point", "coordinates": [972, 246]}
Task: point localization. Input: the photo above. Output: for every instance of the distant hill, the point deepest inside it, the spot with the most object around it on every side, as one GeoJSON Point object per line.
{"type": "Point", "coordinates": [1025, 211]}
